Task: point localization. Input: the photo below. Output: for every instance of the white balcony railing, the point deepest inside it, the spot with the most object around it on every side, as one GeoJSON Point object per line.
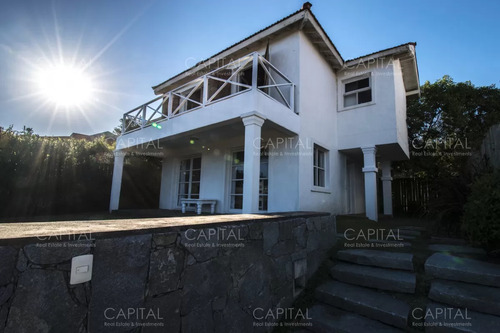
{"type": "Point", "coordinates": [250, 73]}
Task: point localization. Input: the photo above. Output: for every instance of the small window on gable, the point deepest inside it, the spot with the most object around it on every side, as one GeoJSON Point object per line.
{"type": "Point", "coordinates": [358, 91]}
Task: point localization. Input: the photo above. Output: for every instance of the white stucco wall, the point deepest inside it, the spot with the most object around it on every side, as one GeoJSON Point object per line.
{"type": "Point", "coordinates": [322, 120]}
{"type": "Point", "coordinates": [372, 123]}
{"type": "Point", "coordinates": [318, 121]}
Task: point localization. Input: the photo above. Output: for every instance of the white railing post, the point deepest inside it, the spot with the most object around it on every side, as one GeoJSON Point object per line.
{"type": "Point", "coordinates": [138, 117]}
{"type": "Point", "coordinates": [143, 122]}
{"type": "Point", "coordinates": [255, 70]}
{"type": "Point", "coordinates": [169, 105]}
{"type": "Point", "coordinates": [205, 90]}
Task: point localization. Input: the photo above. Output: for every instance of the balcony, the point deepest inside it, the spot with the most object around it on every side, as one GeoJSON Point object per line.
{"type": "Point", "coordinates": [238, 85]}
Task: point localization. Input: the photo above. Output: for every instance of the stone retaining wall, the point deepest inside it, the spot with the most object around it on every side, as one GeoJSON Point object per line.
{"type": "Point", "coordinates": [226, 278]}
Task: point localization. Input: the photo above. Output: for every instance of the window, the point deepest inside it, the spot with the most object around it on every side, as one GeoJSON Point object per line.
{"type": "Point", "coordinates": [357, 92]}
{"type": "Point", "coordinates": [319, 166]}
{"type": "Point", "coordinates": [263, 179]}
{"type": "Point", "coordinates": [189, 179]}
{"type": "Point", "coordinates": [237, 180]}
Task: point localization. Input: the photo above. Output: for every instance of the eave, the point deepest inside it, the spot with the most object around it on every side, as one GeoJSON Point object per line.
{"type": "Point", "coordinates": [408, 59]}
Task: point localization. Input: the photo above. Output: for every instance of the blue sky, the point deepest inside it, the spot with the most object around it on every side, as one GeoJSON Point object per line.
{"type": "Point", "coordinates": [127, 46]}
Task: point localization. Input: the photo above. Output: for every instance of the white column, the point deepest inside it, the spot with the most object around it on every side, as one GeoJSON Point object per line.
{"type": "Point", "coordinates": [370, 171]}
{"type": "Point", "coordinates": [387, 186]}
{"type": "Point", "coordinates": [251, 168]}
{"type": "Point", "coordinates": [116, 184]}
{"type": "Point", "coordinates": [164, 185]}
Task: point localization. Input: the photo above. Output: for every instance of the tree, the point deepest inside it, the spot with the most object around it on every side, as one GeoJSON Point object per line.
{"type": "Point", "coordinates": [446, 125]}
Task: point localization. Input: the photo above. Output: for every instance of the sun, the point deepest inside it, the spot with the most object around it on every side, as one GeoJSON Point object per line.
{"type": "Point", "coordinates": [65, 85]}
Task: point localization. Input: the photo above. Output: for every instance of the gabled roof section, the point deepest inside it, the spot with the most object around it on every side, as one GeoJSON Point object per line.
{"type": "Point", "coordinates": [408, 59]}
{"type": "Point", "coordinates": [305, 21]}
{"type": "Point", "coordinates": [302, 19]}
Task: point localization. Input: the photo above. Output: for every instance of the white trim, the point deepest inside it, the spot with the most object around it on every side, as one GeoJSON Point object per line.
{"type": "Point", "coordinates": [188, 157]}
{"type": "Point", "coordinates": [326, 169]}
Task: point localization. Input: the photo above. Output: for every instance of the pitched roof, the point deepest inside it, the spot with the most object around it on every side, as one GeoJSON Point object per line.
{"type": "Point", "coordinates": [381, 51]}
{"type": "Point", "coordinates": [303, 18]}
{"type": "Point", "coordinates": [309, 24]}
{"type": "Point", "coordinates": [227, 48]}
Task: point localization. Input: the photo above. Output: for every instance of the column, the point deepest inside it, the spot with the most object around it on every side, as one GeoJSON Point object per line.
{"type": "Point", "coordinates": [370, 171]}
{"type": "Point", "coordinates": [116, 184]}
{"type": "Point", "coordinates": [387, 186]}
{"type": "Point", "coordinates": [164, 185]}
{"type": "Point", "coordinates": [251, 168]}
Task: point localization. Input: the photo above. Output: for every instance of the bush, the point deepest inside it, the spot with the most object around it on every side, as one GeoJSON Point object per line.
{"type": "Point", "coordinates": [51, 176]}
{"type": "Point", "coordinates": [481, 220]}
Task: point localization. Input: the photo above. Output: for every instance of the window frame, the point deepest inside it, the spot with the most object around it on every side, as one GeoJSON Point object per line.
{"type": "Point", "coordinates": [317, 167]}
{"type": "Point", "coordinates": [262, 196]}
{"type": "Point", "coordinates": [231, 180]}
{"type": "Point", "coordinates": [357, 91]}
{"type": "Point", "coordinates": [190, 181]}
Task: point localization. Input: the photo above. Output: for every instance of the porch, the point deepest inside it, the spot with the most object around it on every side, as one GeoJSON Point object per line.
{"type": "Point", "coordinates": [231, 104]}
{"type": "Point", "coordinates": [369, 179]}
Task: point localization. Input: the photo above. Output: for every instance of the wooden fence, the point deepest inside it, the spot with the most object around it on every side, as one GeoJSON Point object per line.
{"type": "Point", "coordinates": [411, 196]}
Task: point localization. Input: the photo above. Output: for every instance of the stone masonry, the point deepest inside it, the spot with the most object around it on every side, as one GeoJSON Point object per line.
{"type": "Point", "coordinates": [181, 279]}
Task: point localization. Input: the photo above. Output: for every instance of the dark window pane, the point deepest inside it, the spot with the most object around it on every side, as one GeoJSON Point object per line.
{"type": "Point", "coordinates": [263, 188]}
{"type": "Point", "coordinates": [197, 163]}
{"type": "Point", "coordinates": [264, 170]}
{"type": "Point", "coordinates": [183, 188]}
{"type": "Point", "coordinates": [321, 159]}
{"type": "Point", "coordinates": [351, 86]}
{"type": "Point", "coordinates": [195, 188]}
{"type": "Point", "coordinates": [263, 202]}
{"type": "Point", "coordinates": [321, 178]}
{"type": "Point", "coordinates": [185, 165]}
{"type": "Point", "coordinates": [238, 172]}
{"type": "Point", "coordinates": [237, 187]}
{"type": "Point", "coordinates": [184, 177]}
{"type": "Point", "coordinates": [365, 96]}
{"type": "Point", "coordinates": [238, 158]}
{"type": "Point", "coordinates": [236, 202]}
{"type": "Point", "coordinates": [196, 175]}
{"type": "Point", "coordinates": [364, 83]}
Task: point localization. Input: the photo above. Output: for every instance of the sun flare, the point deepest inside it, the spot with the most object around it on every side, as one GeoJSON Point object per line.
{"type": "Point", "coordinates": [65, 85]}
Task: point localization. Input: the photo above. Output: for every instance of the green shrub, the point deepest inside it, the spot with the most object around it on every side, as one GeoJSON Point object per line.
{"type": "Point", "coordinates": [481, 220]}
{"type": "Point", "coordinates": [50, 176]}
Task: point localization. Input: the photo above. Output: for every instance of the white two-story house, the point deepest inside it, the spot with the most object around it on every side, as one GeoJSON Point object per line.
{"type": "Point", "coordinates": [278, 122]}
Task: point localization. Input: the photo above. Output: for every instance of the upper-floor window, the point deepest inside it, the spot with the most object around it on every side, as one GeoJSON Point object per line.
{"type": "Point", "coordinates": [358, 91]}
{"type": "Point", "coordinates": [319, 166]}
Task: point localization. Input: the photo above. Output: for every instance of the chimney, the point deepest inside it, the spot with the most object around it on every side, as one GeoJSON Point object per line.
{"type": "Point", "coordinates": [307, 6]}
